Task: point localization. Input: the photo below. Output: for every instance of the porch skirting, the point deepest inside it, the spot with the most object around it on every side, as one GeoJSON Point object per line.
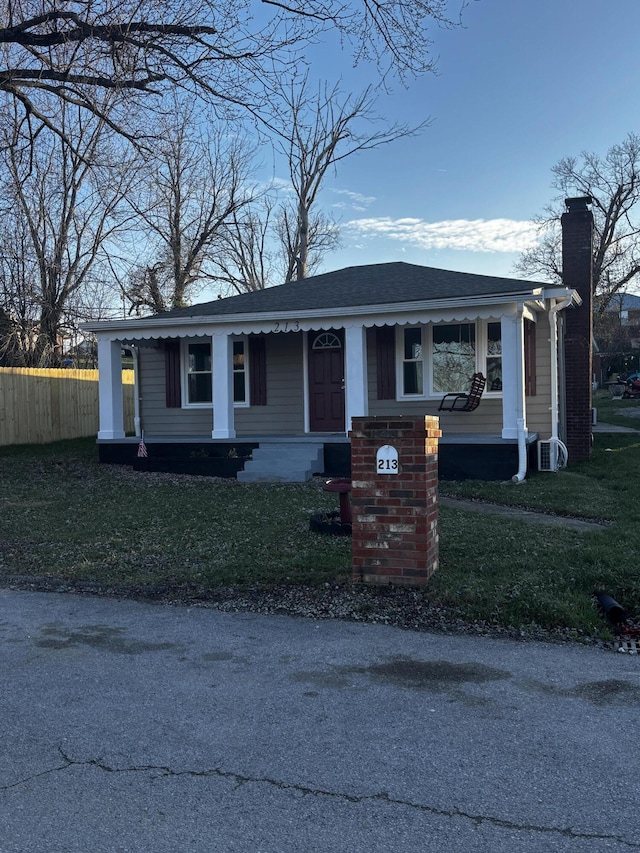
{"type": "Point", "coordinates": [461, 457]}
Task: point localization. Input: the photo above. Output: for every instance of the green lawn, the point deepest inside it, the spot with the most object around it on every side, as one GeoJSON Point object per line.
{"type": "Point", "coordinates": [64, 516]}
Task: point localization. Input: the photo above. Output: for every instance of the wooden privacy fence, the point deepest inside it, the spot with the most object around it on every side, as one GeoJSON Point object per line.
{"type": "Point", "coordinates": [42, 405]}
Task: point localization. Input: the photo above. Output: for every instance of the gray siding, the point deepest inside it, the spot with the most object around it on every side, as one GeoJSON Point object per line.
{"type": "Point", "coordinates": [284, 412]}
{"type": "Point", "coordinates": [157, 419]}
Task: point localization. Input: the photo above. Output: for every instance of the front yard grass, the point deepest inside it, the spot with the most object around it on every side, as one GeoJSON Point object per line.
{"type": "Point", "coordinates": [65, 518]}
{"type": "Point", "coordinates": [64, 515]}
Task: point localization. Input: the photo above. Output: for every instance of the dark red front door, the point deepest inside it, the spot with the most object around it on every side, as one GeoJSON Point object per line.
{"type": "Point", "coordinates": [326, 381]}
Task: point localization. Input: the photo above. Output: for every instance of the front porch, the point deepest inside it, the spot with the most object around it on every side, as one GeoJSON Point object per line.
{"type": "Point", "coordinates": [470, 456]}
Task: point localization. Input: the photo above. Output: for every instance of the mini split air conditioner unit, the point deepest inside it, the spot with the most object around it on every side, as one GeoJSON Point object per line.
{"type": "Point", "coordinates": [552, 455]}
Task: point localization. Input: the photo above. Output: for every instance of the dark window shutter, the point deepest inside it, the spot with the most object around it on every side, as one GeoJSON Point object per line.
{"type": "Point", "coordinates": [172, 374]}
{"type": "Point", "coordinates": [386, 362]}
{"type": "Point", "coordinates": [257, 371]}
{"type": "Point", "coordinates": [529, 358]}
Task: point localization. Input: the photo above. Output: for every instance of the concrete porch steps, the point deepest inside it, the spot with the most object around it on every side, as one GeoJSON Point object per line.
{"type": "Point", "coordinates": [283, 462]}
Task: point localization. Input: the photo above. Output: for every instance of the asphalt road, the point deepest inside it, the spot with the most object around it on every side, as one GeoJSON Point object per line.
{"type": "Point", "coordinates": [136, 727]}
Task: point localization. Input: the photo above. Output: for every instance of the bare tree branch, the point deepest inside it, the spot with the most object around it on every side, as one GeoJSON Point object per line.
{"type": "Point", "coordinates": [392, 33]}
{"type": "Point", "coordinates": [245, 262]}
{"type": "Point", "coordinates": [222, 52]}
{"type": "Point", "coordinates": [195, 188]}
{"type": "Point", "coordinates": [322, 237]}
{"type": "Point", "coordinates": [60, 205]}
{"type": "Point", "coordinates": [30, 32]}
{"type": "Point", "coordinates": [317, 131]}
{"type": "Point", "coordinates": [613, 182]}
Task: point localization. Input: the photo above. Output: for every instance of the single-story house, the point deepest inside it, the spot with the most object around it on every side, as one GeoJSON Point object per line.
{"type": "Point", "coordinates": [278, 374]}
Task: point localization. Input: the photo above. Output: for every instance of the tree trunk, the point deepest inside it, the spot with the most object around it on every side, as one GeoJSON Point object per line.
{"type": "Point", "coordinates": [303, 230]}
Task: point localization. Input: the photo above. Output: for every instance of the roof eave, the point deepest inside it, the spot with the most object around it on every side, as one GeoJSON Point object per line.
{"type": "Point", "coordinates": [560, 292]}
{"type": "Point", "coordinates": [157, 322]}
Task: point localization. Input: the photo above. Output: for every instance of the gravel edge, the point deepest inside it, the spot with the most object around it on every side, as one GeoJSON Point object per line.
{"type": "Point", "coordinates": [394, 606]}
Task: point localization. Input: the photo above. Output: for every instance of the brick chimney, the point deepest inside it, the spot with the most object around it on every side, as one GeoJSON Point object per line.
{"type": "Point", "coordinates": [577, 273]}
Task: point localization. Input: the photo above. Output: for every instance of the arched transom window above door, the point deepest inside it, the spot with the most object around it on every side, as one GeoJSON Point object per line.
{"type": "Point", "coordinates": [327, 340]}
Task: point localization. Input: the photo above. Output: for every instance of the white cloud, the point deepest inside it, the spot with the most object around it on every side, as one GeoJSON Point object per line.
{"type": "Point", "coordinates": [475, 235]}
{"type": "Point", "coordinates": [355, 201]}
{"type": "Point", "coordinates": [281, 185]}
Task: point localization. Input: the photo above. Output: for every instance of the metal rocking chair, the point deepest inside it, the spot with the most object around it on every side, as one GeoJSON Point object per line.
{"type": "Point", "coordinates": [464, 402]}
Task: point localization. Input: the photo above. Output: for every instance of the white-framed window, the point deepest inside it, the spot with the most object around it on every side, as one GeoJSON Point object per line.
{"type": "Point", "coordinates": [327, 340]}
{"type": "Point", "coordinates": [197, 367]}
{"type": "Point", "coordinates": [493, 363]}
{"type": "Point", "coordinates": [240, 372]}
{"type": "Point", "coordinates": [412, 373]}
{"type": "Point", "coordinates": [453, 356]}
{"type": "Point", "coordinates": [197, 372]}
{"type": "Point", "coordinates": [439, 358]}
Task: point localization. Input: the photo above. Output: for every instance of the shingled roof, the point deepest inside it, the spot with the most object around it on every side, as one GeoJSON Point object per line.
{"type": "Point", "coordinates": [369, 285]}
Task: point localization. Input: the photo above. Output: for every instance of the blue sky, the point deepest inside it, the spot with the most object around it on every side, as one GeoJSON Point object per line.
{"type": "Point", "coordinates": [521, 85]}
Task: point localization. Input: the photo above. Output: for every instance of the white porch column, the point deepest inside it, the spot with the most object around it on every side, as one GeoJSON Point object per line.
{"type": "Point", "coordinates": [222, 378]}
{"type": "Point", "coordinates": [110, 389]}
{"type": "Point", "coordinates": [355, 370]}
{"type": "Point", "coordinates": [513, 389]}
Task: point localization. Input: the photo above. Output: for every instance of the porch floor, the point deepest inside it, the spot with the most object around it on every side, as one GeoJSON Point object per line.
{"type": "Point", "coordinates": [311, 438]}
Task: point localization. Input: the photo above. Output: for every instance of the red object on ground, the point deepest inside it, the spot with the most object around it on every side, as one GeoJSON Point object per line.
{"type": "Point", "coordinates": [341, 485]}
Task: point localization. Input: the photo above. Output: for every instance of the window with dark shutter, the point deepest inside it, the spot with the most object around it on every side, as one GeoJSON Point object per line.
{"type": "Point", "coordinates": [172, 374]}
{"type": "Point", "coordinates": [530, 358]}
{"type": "Point", "coordinates": [257, 371]}
{"type": "Point", "coordinates": [386, 362]}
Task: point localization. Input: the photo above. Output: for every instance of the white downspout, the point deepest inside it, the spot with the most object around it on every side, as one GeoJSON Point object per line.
{"type": "Point", "coordinates": [561, 456]}
{"type": "Point", "coordinates": [136, 391]}
{"type": "Point", "coordinates": [522, 453]}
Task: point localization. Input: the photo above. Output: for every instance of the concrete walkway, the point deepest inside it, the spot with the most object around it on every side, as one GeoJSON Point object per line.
{"type": "Point", "coordinates": [130, 727]}
{"type": "Point", "coordinates": [519, 514]}
{"type": "Point", "coordinates": [538, 517]}
{"type": "Point", "coordinates": [612, 429]}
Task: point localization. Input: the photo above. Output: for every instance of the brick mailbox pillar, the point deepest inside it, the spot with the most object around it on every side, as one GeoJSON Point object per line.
{"type": "Point", "coordinates": [394, 471]}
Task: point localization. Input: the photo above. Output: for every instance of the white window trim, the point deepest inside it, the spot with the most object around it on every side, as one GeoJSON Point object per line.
{"type": "Point", "coordinates": [482, 353]}
{"type": "Point", "coordinates": [331, 341]}
{"type": "Point", "coordinates": [400, 330]}
{"type": "Point", "coordinates": [184, 373]}
{"type": "Point", "coordinates": [437, 395]}
{"type": "Point", "coordinates": [243, 404]}
{"type": "Point", "coordinates": [427, 362]}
